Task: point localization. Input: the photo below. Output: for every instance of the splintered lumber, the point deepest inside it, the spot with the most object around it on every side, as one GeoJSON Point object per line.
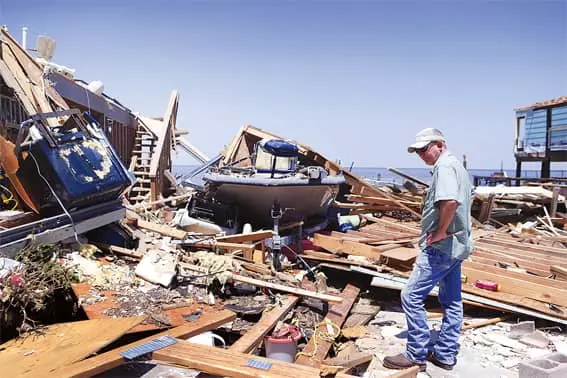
{"type": "Point", "coordinates": [243, 238]}
{"type": "Point", "coordinates": [336, 245]}
{"type": "Point", "coordinates": [401, 254]}
{"type": "Point", "coordinates": [225, 362]}
{"type": "Point", "coordinates": [483, 323]}
{"type": "Point", "coordinates": [247, 249]}
{"type": "Point", "coordinates": [111, 359]}
{"type": "Point", "coordinates": [559, 272]}
{"type": "Point", "coordinates": [287, 289]}
{"type": "Point", "coordinates": [34, 70]}
{"type": "Point", "coordinates": [60, 345]}
{"type": "Point", "coordinates": [517, 286]}
{"type": "Point", "coordinates": [360, 315]}
{"type": "Point", "coordinates": [378, 200]}
{"type": "Point", "coordinates": [253, 337]}
{"type": "Point", "coordinates": [391, 224]}
{"type": "Point", "coordinates": [353, 360]}
{"type": "Point", "coordinates": [162, 229]}
{"type": "Point", "coordinates": [504, 272]}
{"type": "Point", "coordinates": [125, 252]}
{"type": "Point", "coordinates": [408, 177]}
{"type": "Point", "coordinates": [317, 348]}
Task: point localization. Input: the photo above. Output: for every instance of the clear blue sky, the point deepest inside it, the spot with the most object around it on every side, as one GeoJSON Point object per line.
{"type": "Point", "coordinates": [355, 80]}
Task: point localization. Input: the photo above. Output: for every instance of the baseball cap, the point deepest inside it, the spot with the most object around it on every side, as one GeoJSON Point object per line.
{"type": "Point", "coordinates": [424, 137]}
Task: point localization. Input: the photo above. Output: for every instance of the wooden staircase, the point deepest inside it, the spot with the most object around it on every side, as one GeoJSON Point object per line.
{"type": "Point", "coordinates": [142, 153]}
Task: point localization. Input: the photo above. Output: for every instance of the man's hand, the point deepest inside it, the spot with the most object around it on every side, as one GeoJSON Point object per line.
{"type": "Point", "coordinates": [436, 236]}
{"type": "Point", "coordinates": [447, 210]}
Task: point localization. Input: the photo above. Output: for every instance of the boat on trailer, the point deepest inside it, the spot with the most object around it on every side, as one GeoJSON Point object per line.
{"type": "Point", "coordinates": [274, 185]}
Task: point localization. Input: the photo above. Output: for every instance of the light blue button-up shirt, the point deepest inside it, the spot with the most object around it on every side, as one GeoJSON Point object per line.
{"type": "Point", "coordinates": [450, 181]}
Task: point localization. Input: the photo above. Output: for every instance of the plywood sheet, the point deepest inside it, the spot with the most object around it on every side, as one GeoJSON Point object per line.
{"type": "Point", "coordinates": [60, 345]}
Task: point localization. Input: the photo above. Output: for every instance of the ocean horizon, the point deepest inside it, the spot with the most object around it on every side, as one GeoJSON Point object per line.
{"type": "Point", "coordinates": [423, 174]}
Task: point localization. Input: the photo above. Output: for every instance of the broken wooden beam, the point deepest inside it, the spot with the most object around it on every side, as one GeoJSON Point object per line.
{"type": "Point", "coordinates": [228, 363]}
{"type": "Point", "coordinates": [243, 238]}
{"type": "Point", "coordinates": [162, 229]}
{"type": "Point", "coordinates": [337, 245]}
{"type": "Point", "coordinates": [111, 359]}
{"type": "Point", "coordinates": [287, 289]}
{"type": "Point", "coordinates": [317, 348]}
{"type": "Point", "coordinates": [253, 337]}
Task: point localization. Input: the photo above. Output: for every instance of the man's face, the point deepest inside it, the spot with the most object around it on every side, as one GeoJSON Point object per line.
{"type": "Point", "coordinates": [430, 153]}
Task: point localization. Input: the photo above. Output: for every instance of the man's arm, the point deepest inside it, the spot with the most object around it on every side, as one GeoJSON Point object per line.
{"type": "Point", "coordinates": [447, 210]}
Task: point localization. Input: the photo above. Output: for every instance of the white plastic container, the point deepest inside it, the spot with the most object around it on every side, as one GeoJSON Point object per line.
{"type": "Point", "coordinates": [206, 338]}
{"type": "Point", "coordinates": [283, 346]}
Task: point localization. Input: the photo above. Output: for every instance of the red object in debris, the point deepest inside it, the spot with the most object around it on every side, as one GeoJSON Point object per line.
{"type": "Point", "coordinates": [287, 334]}
{"type": "Point", "coordinates": [16, 279]}
{"type": "Point", "coordinates": [487, 285]}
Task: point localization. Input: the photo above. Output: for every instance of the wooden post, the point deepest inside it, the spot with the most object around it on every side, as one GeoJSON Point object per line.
{"type": "Point", "coordinates": [554, 198]}
{"type": "Point", "coordinates": [486, 208]}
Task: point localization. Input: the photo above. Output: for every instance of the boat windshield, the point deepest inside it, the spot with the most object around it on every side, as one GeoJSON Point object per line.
{"type": "Point", "coordinates": [265, 160]}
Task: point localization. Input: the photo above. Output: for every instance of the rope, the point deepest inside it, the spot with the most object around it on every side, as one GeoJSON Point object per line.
{"type": "Point", "coordinates": [324, 335]}
{"type": "Point", "coordinates": [7, 199]}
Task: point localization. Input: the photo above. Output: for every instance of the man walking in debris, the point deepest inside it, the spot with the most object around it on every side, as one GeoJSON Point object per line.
{"type": "Point", "coordinates": [444, 243]}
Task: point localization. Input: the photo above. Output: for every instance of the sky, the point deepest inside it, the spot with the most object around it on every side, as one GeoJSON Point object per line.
{"type": "Point", "coordinates": [354, 80]}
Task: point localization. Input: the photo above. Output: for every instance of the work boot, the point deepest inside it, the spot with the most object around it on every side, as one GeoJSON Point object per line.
{"type": "Point", "coordinates": [399, 361]}
{"type": "Point", "coordinates": [433, 359]}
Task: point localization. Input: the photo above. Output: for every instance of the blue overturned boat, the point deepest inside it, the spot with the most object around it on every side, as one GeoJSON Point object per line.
{"type": "Point", "coordinates": [274, 180]}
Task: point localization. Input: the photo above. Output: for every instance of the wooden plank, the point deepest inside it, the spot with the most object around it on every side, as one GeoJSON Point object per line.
{"type": "Point", "coordinates": [112, 358]}
{"type": "Point", "coordinates": [287, 289]}
{"type": "Point", "coordinates": [522, 255]}
{"type": "Point", "coordinates": [545, 250]}
{"type": "Point", "coordinates": [520, 276]}
{"type": "Point", "coordinates": [519, 287]}
{"type": "Point", "coordinates": [317, 348]}
{"type": "Point", "coordinates": [378, 200]}
{"type": "Point", "coordinates": [402, 254]}
{"type": "Point", "coordinates": [247, 249]}
{"type": "Point", "coordinates": [355, 359]}
{"type": "Point", "coordinates": [60, 345]}
{"type": "Point", "coordinates": [337, 245]}
{"type": "Point", "coordinates": [559, 272]}
{"type": "Point", "coordinates": [486, 208]}
{"type": "Point", "coordinates": [228, 363]}
{"type": "Point", "coordinates": [125, 252]}
{"type": "Point", "coordinates": [10, 80]}
{"type": "Point", "coordinates": [483, 323]}
{"type": "Point", "coordinates": [253, 337]}
{"type": "Point", "coordinates": [97, 310]}
{"type": "Point", "coordinates": [243, 238]}
{"type": "Point", "coordinates": [32, 69]}
{"type": "Point", "coordinates": [162, 229]}
{"type": "Point", "coordinates": [491, 259]}
{"type": "Point", "coordinates": [396, 225]}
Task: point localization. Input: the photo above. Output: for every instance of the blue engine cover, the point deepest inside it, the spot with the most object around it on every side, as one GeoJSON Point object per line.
{"type": "Point", "coordinates": [81, 170]}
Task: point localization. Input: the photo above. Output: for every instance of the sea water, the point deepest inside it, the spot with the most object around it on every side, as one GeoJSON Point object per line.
{"type": "Point", "coordinates": [384, 175]}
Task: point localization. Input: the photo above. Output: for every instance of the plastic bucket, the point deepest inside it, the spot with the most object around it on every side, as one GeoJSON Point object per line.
{"type": "Point", "coordinates": [206, 338]}
{"type": "Point", "coordinates": [283, 345]}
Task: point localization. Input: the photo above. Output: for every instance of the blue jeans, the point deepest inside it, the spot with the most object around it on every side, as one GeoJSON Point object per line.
{"type": "Point", "coordinates": [433, 266]}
